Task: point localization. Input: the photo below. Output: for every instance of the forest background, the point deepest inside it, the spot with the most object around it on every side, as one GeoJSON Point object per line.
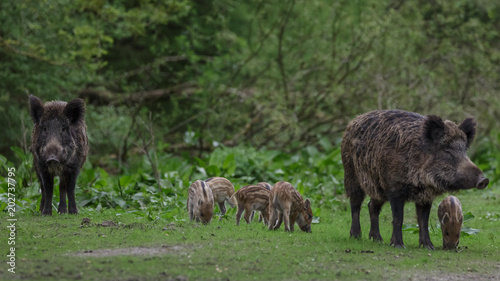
{"type": "Point", "coordinates": [251, 90]}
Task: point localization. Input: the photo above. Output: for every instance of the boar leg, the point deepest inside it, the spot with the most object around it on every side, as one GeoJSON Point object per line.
{"type": "Point", "coordinates": [191, 213]}
{"type": "Point", "coordinates": [62, 209]}
{"type": "Point", "coordinates": [423, 211]}
{"type": "Point", "coordinates": [69, 184]}
{"type": "Point", "coordinates": [355, 193]}
{"type": "Point", "coordinates": [357, 197]}
{"type": "Point", "coordinates": [286, 219]}
{"type": "Point", "coordinates": [272, 217]}
{"type": "Point", "coordinates": [238, 214]}
{"type": "Point", "coordinates": [278, 221]}
{"type": "Point", "coordinates": [293, 219]}
{"type": "Point", "coordinates": [42, 201]}
{"type": "Point", "coordinates": [375, 206]}
{"type": "Point", "coordinates": [397, 206]}
{"type": "Point", "coordinates": [286, 216]}
{"type": "Point", "coordinates": [248, 214]}
{"type": "Point", "coordinates": [48, 190]}
{"type": "Point", "coordinates": [252, 215]}
{"type": "Point", "coordinates": [264, 215]}
{"type": "Point", "coordinates": [222, 208]}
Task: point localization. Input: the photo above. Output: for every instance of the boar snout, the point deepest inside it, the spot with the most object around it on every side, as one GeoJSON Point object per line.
{"type": "Point", "coordinates": [52, 159]}
{"type": "Point", "coordinates": [451, 246]}
{"type": "Point", "coordinates": [307, 228]}
{"type": "Point", "coordinates": [483, 182]}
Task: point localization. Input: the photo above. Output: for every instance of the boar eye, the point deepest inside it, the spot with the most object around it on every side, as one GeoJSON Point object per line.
{"type": "Point", "coordinates": [446, 233]}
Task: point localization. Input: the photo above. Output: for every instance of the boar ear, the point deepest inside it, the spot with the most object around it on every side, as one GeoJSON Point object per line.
{"type": "Point", "coordinates": [36, 109]}
{"type": "Point", "coordinates": [307, 204]}
{"type": "Point", "coordinates": [468, 126]}
{"type": "Point", "coordinates": [75, 111]}
{"type": "Point", "coordinates": [445, 219]}
{"type": "Point", "coordinates": [433, 129]}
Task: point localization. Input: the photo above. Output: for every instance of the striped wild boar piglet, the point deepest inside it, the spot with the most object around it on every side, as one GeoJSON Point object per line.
{"type": "Point", "coordinates": [59, 145]}
{"type": "Point", "coordinates": [252, 198]}
{"type": "Point", "coordinates": [223, 190]}
{"type": "Point", "coordinates": [400, 156]}
{"type": "Point", "coordinates": [451, 218]}
{"type": "Point", "coordinates": [286, 204]}
{"type": "Point", "coordinates": [200, 202]}
{"type": "Point", "coordinates": [268, 186]}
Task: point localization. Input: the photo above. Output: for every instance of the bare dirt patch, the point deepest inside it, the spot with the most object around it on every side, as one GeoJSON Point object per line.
{"type": "Point", "coordinates": [133, 251]}
{"type": "Point", "coordinates": [443, 276]}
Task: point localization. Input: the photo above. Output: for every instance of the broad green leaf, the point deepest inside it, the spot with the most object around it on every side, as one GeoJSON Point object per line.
{"type": "Point", "coordinates": [467, 231]}
{"type": "Point", "coordinates": [468, 216]}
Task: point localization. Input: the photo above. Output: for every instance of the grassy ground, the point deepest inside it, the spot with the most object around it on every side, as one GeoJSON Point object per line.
{"type": "Point", "coordinates": [69, 247]}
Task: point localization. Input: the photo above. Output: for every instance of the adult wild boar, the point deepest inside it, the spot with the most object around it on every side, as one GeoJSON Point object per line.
{"type": "Point", "coordinates": [59, 146]}
{"type": "Point", "coordinates": [400, 156]}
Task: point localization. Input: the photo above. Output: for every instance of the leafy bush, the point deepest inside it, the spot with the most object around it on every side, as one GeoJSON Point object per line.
{"type": "Point", "coordinates": [316, 174]}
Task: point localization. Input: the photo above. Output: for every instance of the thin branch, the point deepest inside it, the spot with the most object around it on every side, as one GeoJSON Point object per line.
{"type": "Point", "coordinates": [144, 148]}
{"type": "Point", "coordinates": [281, 65]}
{"type": "Point", "coordinates": [131, 99]}
{"type": "Point", "coordinates": [9, 48]}
{"type": "Point", "coordinates": [122, 153]}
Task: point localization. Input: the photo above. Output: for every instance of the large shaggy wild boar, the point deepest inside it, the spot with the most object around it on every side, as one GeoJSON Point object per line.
{"type": "Point", "coordinates": [59, 146]}
{"type": "Point", "coordinates": [400, 156]}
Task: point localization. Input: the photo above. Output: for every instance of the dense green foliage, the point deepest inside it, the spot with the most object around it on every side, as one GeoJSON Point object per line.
{"type": "Point", "coordinates": [278, 75]}
{"type": "Point", "coordinates": [317, 174]}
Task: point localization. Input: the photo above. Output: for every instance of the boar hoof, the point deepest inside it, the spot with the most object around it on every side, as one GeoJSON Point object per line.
{"type": "Point", "coordinates": [46, 212]}
{"type": "Point", "coordinates": [376, 237]}
{"type": "Point", "coordinates": [399, 245]}
{"type": "Point", "coordinates": [355, 232]}
{"type": "Point", "coordinates": [427, 245]}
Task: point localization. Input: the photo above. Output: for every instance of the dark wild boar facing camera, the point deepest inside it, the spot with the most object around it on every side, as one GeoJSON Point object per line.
{"type": "Point", "coordinates": [59, 146]}
{"type": "Point", "coordinates": [399, 156]}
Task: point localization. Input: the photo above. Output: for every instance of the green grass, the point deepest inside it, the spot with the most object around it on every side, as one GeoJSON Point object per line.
{"type": "Point", "coordinates": [54, 247]}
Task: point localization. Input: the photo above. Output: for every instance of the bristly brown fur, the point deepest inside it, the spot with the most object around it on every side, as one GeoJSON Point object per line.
{"type": "Point", "coordinates": [222, 190]}
{"type": "Point", "coordinates": [59, 145]}
{"type": "Point", "coordinates": [399, 156]}
{"type": "Point", "coordinates": [252, 198]}
{"type": "Point", "coordinates": [269, 187]}
{"type": "Point", "coordinates": [287, 205]}
{"type": "Point", "coordinates": [451, 219]}
{"type": "Point", "coordinates": [200, 202]}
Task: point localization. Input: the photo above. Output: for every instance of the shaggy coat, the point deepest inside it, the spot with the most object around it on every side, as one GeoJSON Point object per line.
{"type": "Point", "coordinates": [399, 156]}
{"type": "Point", "coordinates": [59, 145]}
